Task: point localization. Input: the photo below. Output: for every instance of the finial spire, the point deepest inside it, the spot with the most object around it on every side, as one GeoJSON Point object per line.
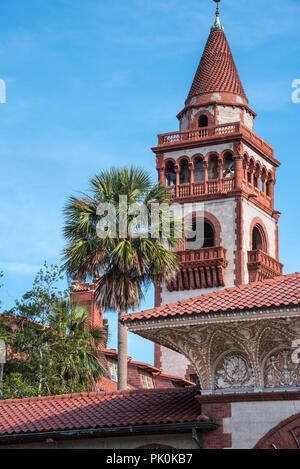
{"type": "Point", "coordinates": [217, 25]}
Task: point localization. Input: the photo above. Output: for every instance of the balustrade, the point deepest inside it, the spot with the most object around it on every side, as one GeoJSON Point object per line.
{"type": "Point", "coordinates": [213, 186]}
{"type": "Point", "coordinates": [173, 138]}
{"type": "Point", "coordinates": [261, 266]}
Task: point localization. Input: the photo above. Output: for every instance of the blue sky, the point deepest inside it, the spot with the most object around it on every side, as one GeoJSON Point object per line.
{"type": "Point", "coordinates": [90, 84]}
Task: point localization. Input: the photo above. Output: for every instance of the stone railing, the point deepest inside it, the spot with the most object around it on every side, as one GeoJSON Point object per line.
{"type": "Point", "coordinates": [198, 134]}
{"type": "Point", "coordinates": [236, 128]}
{"type": "Point", "coordinates": [212, 186]}
{"type": "Point", "coordinates": [261, 266]}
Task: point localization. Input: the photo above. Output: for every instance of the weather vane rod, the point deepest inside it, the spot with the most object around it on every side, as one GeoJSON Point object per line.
{"type": "Point", "coordinates": [217, 25]}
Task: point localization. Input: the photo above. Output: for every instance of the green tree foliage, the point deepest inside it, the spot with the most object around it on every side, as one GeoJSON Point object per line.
{"type": "Point", "coordinates": [50, 348]}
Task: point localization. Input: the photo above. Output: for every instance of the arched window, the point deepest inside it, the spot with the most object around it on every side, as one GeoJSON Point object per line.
{"type": "Point", "coordinates": [256, 176]}
{"type": "Point", "coordinates": [259, 239]}
{"type": "Point", "coordinates": [203, 121]}
{"type": "Point", "coordinates": [170, 173]}
{"type": "Point", "coordinates": [209, 235]}
{"type": "Point", "coordinates": [202, 235]}
{"type": "Point", "coordinates": [184, 176]}
{"type": "Point", "coordinates": [228, 167]}
{"type": "Point", "coordinates": [199, 170]}
{"type": "Point", "coordinates": [213, 168]}
{"type": "Point", "coordinates": [250, 172]}
{"type": "Point", "coordinates": [263, 180]}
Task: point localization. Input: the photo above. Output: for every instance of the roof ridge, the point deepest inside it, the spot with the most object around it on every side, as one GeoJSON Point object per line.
{"type": "Point", "coordinates": [223, 296]}
{"type": "Point", "coordinates": [101, 394]}
{"type": "Point", "coordinates": [247, 286]}
{"type": "Point", "coordinates": [214, 294]}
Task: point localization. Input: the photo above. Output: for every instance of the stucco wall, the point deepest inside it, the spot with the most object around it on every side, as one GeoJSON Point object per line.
{"type": "Point", "coordinates": [224, 210]}
{"type": "Point", "coordinates": [250, 421]}
{"type": "Point", "coordinates": [248, 120]}
{"type": "Point", "coordinates": [173, 363]}
{"type": "Point", "coordinates": [229, 114]}
{"type": "Point", "coordinates": [184, 122]}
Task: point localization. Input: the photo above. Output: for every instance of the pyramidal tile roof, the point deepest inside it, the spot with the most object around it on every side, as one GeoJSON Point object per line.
{"type": "Point", "coordinates": [276, 292]}
{"type": "Point", "coordinates": [99, 410]}
{"type": "Point", "coordinates": [217, 70]}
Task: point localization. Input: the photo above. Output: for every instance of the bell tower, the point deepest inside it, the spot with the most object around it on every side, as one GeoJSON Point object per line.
{"type": "Point", "coordinates": [217, 159]}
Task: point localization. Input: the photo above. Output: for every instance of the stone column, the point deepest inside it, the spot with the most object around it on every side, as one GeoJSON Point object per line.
{"type": "Point", "coordinates": [191, 170]}
{"type": "Point", "coordinates": [205, 166]}
{"type": "Point", "coordinates": [177, 172]}
{"type": "Point", "coordinates": [238, 171]}
{"type": "Point", "coordinates": [220, 164]}
{"type": "Point", "coordinates": [271, 192]}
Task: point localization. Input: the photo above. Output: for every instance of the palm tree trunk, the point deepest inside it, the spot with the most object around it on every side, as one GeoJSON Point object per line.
{"type": "Point", "coordinates": [122, 353]}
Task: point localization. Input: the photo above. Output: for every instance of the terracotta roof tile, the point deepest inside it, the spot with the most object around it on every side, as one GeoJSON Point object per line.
{"type": "Point", "coordinates": [276, 292]}
{"type": "Point", "coordinates": [217, 70]}
{"type": "Point", "coordinates": [96, 410]}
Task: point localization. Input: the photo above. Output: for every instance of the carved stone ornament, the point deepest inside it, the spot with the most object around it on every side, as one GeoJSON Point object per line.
{"type": "Point", "coordinates": [233, 372]}
{"type": "Point", "coordinates": [280, 371]}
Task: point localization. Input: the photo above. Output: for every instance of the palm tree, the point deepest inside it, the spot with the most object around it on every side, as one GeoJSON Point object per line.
{"type": "Point", "coordinates": [123, 265]}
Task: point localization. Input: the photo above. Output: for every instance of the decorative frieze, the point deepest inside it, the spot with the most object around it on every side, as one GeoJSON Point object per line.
{"type": "Point", "coordinates": [235, 356]}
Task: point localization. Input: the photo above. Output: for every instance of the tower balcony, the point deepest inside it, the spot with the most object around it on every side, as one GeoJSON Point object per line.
{"type": "Point", "coordinates": [200, 268]}
{"type": "Point", "coordinates": [261, 266]}
{"type": "Point", "coordinates": [235, 129]}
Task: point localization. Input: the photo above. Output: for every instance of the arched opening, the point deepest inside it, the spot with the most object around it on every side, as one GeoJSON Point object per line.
{"type": "Point", "coordinates": [250, 172]}
{"type": "Point", "coordinates": [199, 170]}
{"type": "Point", "coordinates": [209, 235]}
{"type": "Point", "coordinates": [263, 180]}
{"type": "Point", "coordinates": [201, 235]}
{"type": "Point", "coordinates": [256, 176]}
{"type": "Point", "coordinates": [258, 239]}
{"type": "Point", "coordinates": [170, 173]}
{"type": "Point", "coordinates": [228, 166]}
{"type": "Point", "coordinates": [203, 121]}
{"type": "Point", "coordinates": [184, 176]}
{"type": "Point", "coordinates": [213, 168]}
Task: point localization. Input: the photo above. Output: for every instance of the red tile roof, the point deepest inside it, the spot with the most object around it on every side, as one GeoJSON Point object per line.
{"type": "Point", "coordinates": [276, 292]}
{"type": "Point", "coordinates": [144, 366]}
{"type": "Point", "coordinates": [176, 378]}
{"type": "Point", "coordinates": [99, 410]}
{"type": "Point", "coordinates": [217, 70]}
{"type": "Point", "coordinates": [109, 385]}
